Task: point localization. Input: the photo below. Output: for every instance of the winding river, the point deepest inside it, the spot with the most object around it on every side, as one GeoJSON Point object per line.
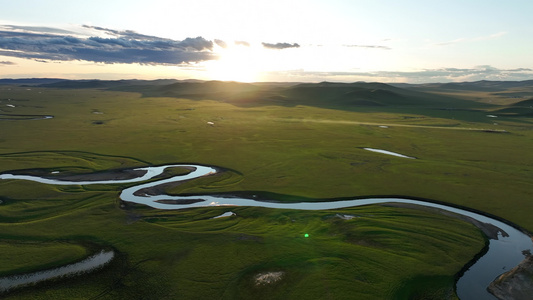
{"type": "Point", "coordinates": [506, 249]}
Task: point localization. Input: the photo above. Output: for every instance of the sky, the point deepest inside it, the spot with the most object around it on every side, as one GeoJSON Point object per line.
{"type": "Point", "coordinates": [409, 41]}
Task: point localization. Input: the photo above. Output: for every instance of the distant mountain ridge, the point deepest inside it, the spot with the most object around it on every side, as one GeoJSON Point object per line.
{"type": "Point", "coordinates": [323, 94]}
{"type": "Point", "coordinates": [103, 84]}
{"type": "Point", "coordinates": [29, 81]}
{"type": "Point", "coordinates": [482, 85]}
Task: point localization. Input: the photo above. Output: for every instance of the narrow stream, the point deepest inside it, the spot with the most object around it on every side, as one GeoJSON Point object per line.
{"type": "Point", "coordinates": [11, 117]}
{"type": "Point", "coordinates": [506, 250]}
{"type": "Point", "coordinates": [87, 265]}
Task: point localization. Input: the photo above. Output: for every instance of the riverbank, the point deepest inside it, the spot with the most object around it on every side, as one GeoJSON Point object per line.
{"type": "Point", "coordinates": [517, 284]}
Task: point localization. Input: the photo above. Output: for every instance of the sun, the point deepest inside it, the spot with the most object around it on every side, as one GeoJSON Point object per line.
{"type": "Point", "coordinates": [236, 63]}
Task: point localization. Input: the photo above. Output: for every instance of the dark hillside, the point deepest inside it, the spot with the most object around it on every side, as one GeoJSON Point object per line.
{"type": "Point", "coordinates": [345, 96]}
{"type": "Point", "coordinates": [105, 84]}
{"type": "Point", "coordinates": [29, 81]}
{"type": "Point", "coordinates": [481, 86]}
{"type": "Point", "coordinates": [85, 84]}
{"type": "Point", "coordinates": [525, 103]}
{"type": "Point", "coordinates": [368, 94]}
{"type": "Point", "coordinates": [233, 92]}
{"type": "Point", "coordinates": [519, 109]}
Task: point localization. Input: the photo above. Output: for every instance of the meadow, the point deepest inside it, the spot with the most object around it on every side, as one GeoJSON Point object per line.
{"type": "Point", "coordinates": [287, 145]}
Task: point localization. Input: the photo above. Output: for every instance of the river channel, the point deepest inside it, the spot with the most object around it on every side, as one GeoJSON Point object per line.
{"type": "Point", "coordinates": [506, 249]}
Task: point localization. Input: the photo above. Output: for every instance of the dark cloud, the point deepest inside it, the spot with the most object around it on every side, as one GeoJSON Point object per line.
{"type": "Point", "coordinates": [280, 45]}
{"type": "Point", "coordinates": [242, 43]}
{"type": "Point", "coordinates": [198, 43]}
{"type": "Point", "coordinates": [221, 43]}
{"type": "Point", "coordinates": [520, 70]}
{"type": "Point", "coordinates": [6, 63]}
{"type": "Point", "coordinates": [369, 46]}
{"type": "Point", "coordinates": [127, 34]}
{"type": "Point", "coordinates": [25, 35]}
{"type": "Point", "coordinates": [120, 47]}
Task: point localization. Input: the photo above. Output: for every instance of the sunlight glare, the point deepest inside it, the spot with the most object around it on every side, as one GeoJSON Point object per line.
{"type": "Point", "coordinates": [236, 63]}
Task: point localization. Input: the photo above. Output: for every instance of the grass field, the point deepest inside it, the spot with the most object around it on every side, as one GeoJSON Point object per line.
{"type": "Point", "coordinates": [24, 257]}
{"type": "Point", "coordinates": [300, 151]}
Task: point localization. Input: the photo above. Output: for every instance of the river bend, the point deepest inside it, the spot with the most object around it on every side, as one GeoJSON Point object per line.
{"type": "Point", "coordinates": [506, 250]}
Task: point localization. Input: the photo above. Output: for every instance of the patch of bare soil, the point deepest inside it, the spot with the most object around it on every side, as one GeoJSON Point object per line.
{"type": "Point", "coordinates": [107, 175]}
{"type": "Point", "coordinates": [267, 278]}
{"type": "Point", "coordinates": [179, 201]}
{"type": "Point", "coordinates": [161, 189]}
{"type": "Point", "coordinates": [516, 284]}
{"type": "Point", "coordinates": [157, 189]}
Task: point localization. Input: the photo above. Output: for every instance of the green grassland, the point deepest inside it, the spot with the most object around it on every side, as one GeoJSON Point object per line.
{"type": "Point", "coordinates": [187, 255]}
{"type": "Point", "coordinates": [24, 257]}
{"type": "Point", "coordinates": [271, 142]}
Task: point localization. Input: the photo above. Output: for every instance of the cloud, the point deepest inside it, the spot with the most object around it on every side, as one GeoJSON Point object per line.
{"type": "Point", "coordinates": [483, 72]}
{"type": "Point", "coordinates": [450, 42]}
{"type": "Point", "coordinates": [6, 63]}
{"type": "Point", "coordinates": [117, 47]}
{"type": "Point", "coordinates": [475, 39]}
{"type": "Point", "coordinates": [242, 43]}
{"type": "Point", "coordinates": [490, 37]}
{"type": "Point", "coordinates": [127, 34]}
{"type": "Point", "coordinates": [520, 70]}
{"type": "Point", "coordinates": [280, 46]}
{"type": "Point", "coordinates": [221, 43]}
{"type": "Point", "coordinates": [35, 29]}
{"type": "Point", "coordinates": [369, 46]}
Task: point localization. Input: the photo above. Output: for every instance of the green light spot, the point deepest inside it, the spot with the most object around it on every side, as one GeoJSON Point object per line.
{"type": "Point", "coordinates": [306, 235]}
